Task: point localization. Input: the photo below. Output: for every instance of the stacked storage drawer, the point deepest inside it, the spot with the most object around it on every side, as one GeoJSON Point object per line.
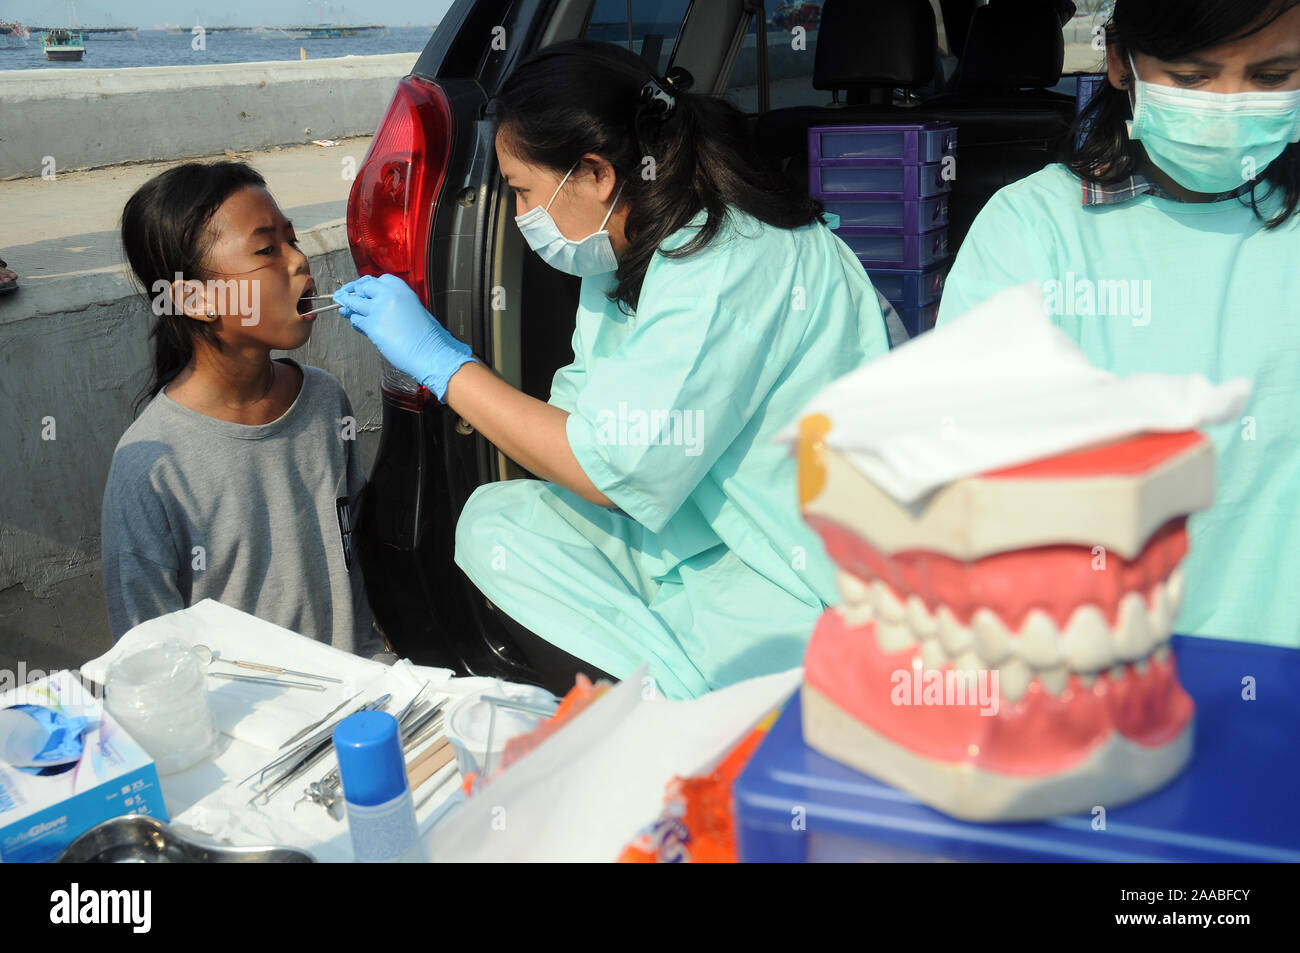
{"type": "Point", "coordinates": [889, 185]}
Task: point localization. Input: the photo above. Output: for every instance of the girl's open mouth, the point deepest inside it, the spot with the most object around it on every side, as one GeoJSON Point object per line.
{"type": "Point", "coordinates": [305, 302]}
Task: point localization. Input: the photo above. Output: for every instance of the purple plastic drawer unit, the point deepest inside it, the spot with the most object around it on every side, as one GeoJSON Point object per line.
{"type": "Point", "coordinates": [879, 182]}
{"type": "Point", "coordinates": [909, 144]}
{"type": "Point", "coordinates": [892, 218]}
{"type": "Point", "coordinates": [917, 320]}
{"type": "Point", "coordinates": [911, 289]}
{"type": "Point", "coordinates": [895, 251]}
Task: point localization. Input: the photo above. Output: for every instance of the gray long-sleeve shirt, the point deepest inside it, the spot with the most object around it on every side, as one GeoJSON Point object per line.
{"type": "Point", "coordinates": [257, 517]}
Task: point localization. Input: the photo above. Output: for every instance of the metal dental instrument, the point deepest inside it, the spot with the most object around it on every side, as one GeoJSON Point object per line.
{"type": "Point", "coordinates": [312, 750]}
{"type": "Point", "coordinates": [305, 748]}
{"type": "Point", "coordinates": [401, 715]}
{"type": "Point", "coordinates": [266, 680]}
{"type": "Point", "coordinates": [328, 793]}
{"type": "Point", "coordinates": [207, 655]}
{"type": "Point", "coordinates": [327, 307]}
{"type": "Point", "coordinates": [280, 671]}
{"type": "Point", "coordinates": [316, 724]}
{"type": "Point", "coordinates": [420, 725]}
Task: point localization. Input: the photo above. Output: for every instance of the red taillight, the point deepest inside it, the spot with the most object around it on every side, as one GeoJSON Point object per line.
{"type": "Point", "coordinates": [393, 196]}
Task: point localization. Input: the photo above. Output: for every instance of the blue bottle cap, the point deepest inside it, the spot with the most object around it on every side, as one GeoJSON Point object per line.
{"type": "Point", "coordinates": [371, 765]}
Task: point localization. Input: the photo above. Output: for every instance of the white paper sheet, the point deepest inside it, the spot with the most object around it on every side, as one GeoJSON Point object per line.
{"type": "Point", "coordinates": [999, 386]}
{"type": "Point", "coordinates": [585, 792]}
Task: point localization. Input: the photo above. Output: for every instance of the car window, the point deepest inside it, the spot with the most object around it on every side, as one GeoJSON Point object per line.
{"type": "Point", "coordinates": [650, 31]}
{"type": "Point", "coordinates": [791, 50]}
{"type": "Point", "coordinates": [1085, 47]}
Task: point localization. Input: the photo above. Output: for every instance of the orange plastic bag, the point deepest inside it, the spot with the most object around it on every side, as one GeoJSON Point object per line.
{"type": "Point", "coordinates": [697, 825]}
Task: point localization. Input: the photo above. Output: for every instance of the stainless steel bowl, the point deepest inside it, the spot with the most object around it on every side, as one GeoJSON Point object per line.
{"type": "Point", "coordinates": [140, 839]}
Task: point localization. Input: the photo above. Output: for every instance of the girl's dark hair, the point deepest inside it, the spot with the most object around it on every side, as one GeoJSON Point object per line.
{"type": "Point", "coordinates": [165, 233]}
{"type": "Point", "coordinates": [583, 96]}
{"type": "Point", "coordinates": [1170, 31]}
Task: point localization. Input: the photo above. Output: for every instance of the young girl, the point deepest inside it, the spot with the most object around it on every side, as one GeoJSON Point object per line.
{"type": "Point", "coordinates": [240, 479]}
{"type": "Point", "coordinates": [1175, 227]}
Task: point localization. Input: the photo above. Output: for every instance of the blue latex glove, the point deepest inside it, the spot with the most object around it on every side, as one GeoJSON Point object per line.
{"type": "Point", "coordinates": [390, 314]}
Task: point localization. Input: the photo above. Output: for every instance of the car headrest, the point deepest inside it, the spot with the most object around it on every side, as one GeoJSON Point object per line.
{"type": "Point", "coordinates": [877, 43]}
{"type": "Point", "coordinates": [1013, 44]}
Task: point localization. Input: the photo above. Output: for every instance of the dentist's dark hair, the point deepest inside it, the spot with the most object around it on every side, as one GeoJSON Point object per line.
{"type": "Point", "coordinates": [165, 232]}
{"type": "Point", "coordinates": [1169, 31]}
{"type": "Point", "coordinates": [583, 96]}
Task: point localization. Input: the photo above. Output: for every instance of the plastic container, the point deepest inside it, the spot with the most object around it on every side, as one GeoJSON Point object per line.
{"type": "Point", "coordinates": [376, 791]}
{"type": "Point", "coordinates": [159, 694]}
{"type": "Point", "coordinates": [917, 320]}
{"type": "Point", "coordinates": [878, 182]}
{"type": "Point", "coordinates": [1234, 802]}
{"type": "Point", "coordinates": [910, 288]}
{"type": "Point", "coordinates": [910, 143]}
{"type": "Point", "coordinates": [469, 721]}
{"type": "Point", "coordinates": [912, 252]}
{"type": "Point", "coordinates": [903, 217]}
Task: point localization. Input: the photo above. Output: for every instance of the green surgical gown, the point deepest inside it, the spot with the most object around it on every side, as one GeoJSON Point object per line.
{"type": "Point", "coordinates": [706, 570]}
{"type": "Point", "coordinates": [1151, 284]}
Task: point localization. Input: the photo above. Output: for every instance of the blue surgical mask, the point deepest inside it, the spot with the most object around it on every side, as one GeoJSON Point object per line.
{"type": "Point", "coordinates": [1212, 142]}
{"type": "Point", "coordinates": [594, 255]}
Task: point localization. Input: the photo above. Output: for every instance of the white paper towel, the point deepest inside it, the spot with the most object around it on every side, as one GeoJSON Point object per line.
{"type": "Point", "coordinates": [587, 790]}
{"type": "Point", "coordinates": [266, 715]}
{"type": "Point", "coordinates": [999, 386]}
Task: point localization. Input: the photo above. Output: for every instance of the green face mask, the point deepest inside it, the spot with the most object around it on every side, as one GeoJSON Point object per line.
{"type": "Point", "coordinates": [1212, 142]}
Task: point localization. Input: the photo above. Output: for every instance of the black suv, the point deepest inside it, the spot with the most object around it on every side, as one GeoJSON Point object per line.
{"type": "Point", "coordinates": [429, 204]}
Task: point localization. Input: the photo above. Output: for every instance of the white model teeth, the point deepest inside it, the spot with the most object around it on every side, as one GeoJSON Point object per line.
{"type": "Point", "coordinates": [968, 662]}
{"type": "Point", "coordinates": [853, 590]}
{"type": "Point", "coordinates": [1088, 646]}
{"type": "Point", "coordinates": [893, 637]}
{"type": "Point", "coordinates": [1014, 678]}
{"type": "Point", "coordinates": [1039, 643]}
{"type": "Point", "coordinates": [1161, 619]}
{"type": "Point", "coordinates": [1132, 628]}
{"type": "Point", "coordinates": [954, 636]}
{"type": "Point", "coordinates": [932, 654]}
{"type": "Point", "coordinates": [1174, 590]}
{"type": "Point", "coordinates": [992, 638]}
{"type": "Point", "coordinates": [1054, 679]}
{"type": "Point", "coordinates": [1087, 639]}
{"type": "Point", "coordinates": [888, 606]}
{"type": "Point", "coordinates": [920, 618]}
{"type": "Point", "coordinates": [855, 609]}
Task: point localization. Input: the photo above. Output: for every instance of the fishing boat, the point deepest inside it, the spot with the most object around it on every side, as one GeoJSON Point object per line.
{"type": "Point", "coordinates": [126, 33]}
{"type": "Point", "coordinates": [13, 35]}
{"type": "Point", "coordinates": [64, 45]}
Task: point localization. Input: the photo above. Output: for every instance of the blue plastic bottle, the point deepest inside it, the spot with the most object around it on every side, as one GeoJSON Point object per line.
{"type": "Point", "coordinates": [381, 816]}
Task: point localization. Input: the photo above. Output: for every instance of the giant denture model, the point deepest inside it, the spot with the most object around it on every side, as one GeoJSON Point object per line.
{"type": "Point", "coordinates": [1059, 577]}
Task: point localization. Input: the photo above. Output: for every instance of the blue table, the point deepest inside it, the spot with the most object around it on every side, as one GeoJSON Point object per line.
{"type": "Point", "coordinates": [1238, 799]}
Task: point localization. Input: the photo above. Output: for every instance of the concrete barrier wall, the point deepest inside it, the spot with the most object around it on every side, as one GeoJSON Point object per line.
{"type": "Point", "coordinates": [96, 117]}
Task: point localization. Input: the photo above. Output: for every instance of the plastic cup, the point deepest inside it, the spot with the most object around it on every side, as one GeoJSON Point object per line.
{"type": "Point", "coordinates": [159, 694]}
